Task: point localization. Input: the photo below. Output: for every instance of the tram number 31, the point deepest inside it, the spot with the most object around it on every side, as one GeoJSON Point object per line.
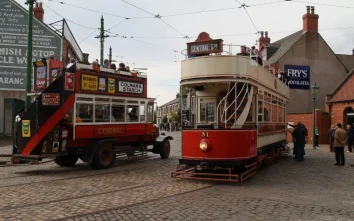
{"type": "Point", "coordinates": [204, 134]}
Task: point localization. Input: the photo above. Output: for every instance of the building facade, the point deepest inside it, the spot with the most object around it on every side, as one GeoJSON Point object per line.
{"type": "Point", "coordinates": [47, 41]}
{"type": "Point", "coordinates": [306, 58]}
{"type": "Point", "coordinates": [165, 110]}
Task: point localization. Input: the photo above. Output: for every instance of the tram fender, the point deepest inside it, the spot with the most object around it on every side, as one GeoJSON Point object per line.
{"type": "Point", "coordinates": [158, 142]}
{"type": "Point", "coordinates": [90, 150]}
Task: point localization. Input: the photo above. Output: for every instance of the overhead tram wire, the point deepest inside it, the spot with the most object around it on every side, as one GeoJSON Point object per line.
{"type": "Point", "coordinates": [83, 26]}
{"type": "Point", "coordinates": [244, 7]}
{"type": "Point", "coordinates": [100, 12]}
{"type": "Point", "coordinates": [158, 16]}
{"type": "Point", "coordinates": [323, 4]}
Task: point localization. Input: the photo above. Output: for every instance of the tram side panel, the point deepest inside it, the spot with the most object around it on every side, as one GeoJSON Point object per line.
{"type": "Point", "coordinates": [43, 116]}
{"type": "Point", "coordinates": [218, 145]}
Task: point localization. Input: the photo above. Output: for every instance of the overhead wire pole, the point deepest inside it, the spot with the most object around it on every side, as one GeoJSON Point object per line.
{"type": "Point", "coordinates": [102, 36]}
{"type": "Point", "coordinates": [29, 51]}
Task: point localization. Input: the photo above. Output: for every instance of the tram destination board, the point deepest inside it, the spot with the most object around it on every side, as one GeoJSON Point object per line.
{"type": "Point", "coordinates": [13, 44]}
{"type": "Point", "coordinates": [110, 85]}
{"type": "Point", "coordinates": [205, 47]}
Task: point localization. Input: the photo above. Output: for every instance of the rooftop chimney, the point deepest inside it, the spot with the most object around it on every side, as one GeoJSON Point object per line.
{"type": "Point", "coordinates": [38, 11]}
{"type": "Point", "coordinates": [264, 40]}
{"type": "Point", "coordinates": [310, 20]}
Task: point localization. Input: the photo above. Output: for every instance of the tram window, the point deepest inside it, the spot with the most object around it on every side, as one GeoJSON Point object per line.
{"type": "Point", "coordinates": [132, 102]}
{"type": "Point", "coordinates": [206, 114]}
{"type": "Point", "coordinates": [150, 113]}
{"type": "Point", "coordinates": [118, 113]}
{"type": "Point", "coordinates": [102, 113]}
{"type": "Point", "coordinates": [84, 113]}
{"type": "Point", "coordinates": [118, 101]}
{"type": "Point", "coordinates": [132, 113]}
{"type": "Point", "coordinates": [142, 112]}
{"type": "Point", "coordinates": [102, 99]}
{"type": "Point", "coordinates": [84, 99]}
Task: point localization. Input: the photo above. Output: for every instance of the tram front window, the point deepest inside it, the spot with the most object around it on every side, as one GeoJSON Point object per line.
{"type": "Point", "coordinates": [207, 112]}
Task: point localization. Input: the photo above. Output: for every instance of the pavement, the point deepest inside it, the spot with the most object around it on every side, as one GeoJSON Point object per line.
{"type": "Point", "coordinates": [287, 190]}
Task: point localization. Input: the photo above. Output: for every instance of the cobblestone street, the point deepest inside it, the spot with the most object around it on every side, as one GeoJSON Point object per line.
{"type": "Point", "coordinates": [143, 190]}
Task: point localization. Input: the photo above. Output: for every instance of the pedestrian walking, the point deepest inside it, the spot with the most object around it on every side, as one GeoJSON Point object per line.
{"type": "Point", "coordinates": [316, 137]}
{"type": "Point", "coordinates": [340, 138]}
{"type": "Point", "coordinates": [299, 139]}
{"type": "Point", "coordinates": [331, 137]}
{"type": "Point", "coordinates": [350, 135]}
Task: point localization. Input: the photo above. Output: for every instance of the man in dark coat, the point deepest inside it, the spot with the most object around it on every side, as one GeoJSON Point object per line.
{"type": "Point", "coordinates": [299, 138]}
{"type": "Point", "coordinates": [331, 137]}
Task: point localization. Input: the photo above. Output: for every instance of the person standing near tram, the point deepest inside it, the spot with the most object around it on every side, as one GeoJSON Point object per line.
{"type": "Point", "coordinates": [299, 139]}
{"type": "Point", "coordinates": [18, 121]}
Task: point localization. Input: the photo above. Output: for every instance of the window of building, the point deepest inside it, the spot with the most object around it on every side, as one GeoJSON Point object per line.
{"type": "Point", "coordinates": [206, 110]}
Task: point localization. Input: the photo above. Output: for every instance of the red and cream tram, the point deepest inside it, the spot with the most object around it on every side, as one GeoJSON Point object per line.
{"type": "Point", "coordinates": [92, 114]}
{"type": "Point", "coordinates": [238, 114]}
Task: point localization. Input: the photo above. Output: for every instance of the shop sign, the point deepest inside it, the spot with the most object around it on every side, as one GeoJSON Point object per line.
{"type": "Point", "coordinates": [102, 84]}
{"type": "Point", "coordinates": [50, 99]}
{"type": "Point", "coordinates": [130, 87]}
{"type": "Point", "coordinates": [111, 85]}
{"type": "Point", "coordinates": [298, 76]}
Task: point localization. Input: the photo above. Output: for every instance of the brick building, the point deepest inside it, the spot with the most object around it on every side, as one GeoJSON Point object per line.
{"type": "Point", "coordinates": [166, 109]}
{"type": "Point", "coordinates": [306, 58]}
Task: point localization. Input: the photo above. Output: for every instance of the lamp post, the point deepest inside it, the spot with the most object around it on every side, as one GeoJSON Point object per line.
{"type": "Point", "coordinates": [30, 4]}
{"type": "Point", "coordinates": [314, 89]}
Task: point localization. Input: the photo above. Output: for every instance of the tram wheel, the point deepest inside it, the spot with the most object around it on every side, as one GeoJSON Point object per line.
{"type": "Point", "coordinates": [103, 157]}
{"type": "Point", "coordinates": [66, 161]}
{"type": "Point", "coordinates": [165, 149]}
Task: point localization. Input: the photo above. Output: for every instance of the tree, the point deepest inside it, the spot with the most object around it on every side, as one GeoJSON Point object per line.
{"type": "Point", "coordinates": [164, 119]}
{"type": "Point", "coordinates": [175, 116]}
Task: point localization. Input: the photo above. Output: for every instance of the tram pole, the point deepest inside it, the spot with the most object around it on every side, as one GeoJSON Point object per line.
{"type": "Point", "coordinates": [110, 54]}
{"type": "Point", "coordinates": [102, 40]}
{"type": "Point", "coordinates": [30, 4]}
{"type": "Point", "coordinates": [314, 89]}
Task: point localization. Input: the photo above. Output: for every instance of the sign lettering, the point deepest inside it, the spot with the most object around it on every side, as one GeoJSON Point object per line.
{"type": "Point", "coordinates": [130, 87]}
{"type": "Point", "coordinates": [299, 76]}
{"type": "Point", "coordinates": [213, 46]}
{"type": "Point", "coordinates": [13, 44]}
{"type": "Point", "coordinates": [89, 82]}
{"type": "Point", "coordinates": [50, 99]}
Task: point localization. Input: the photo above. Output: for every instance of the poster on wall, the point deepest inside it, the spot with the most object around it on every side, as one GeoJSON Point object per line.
{"type": "Point", "coordinates": [54, 74]}
{"type": "Point", "coordinates": [130, 87]}
{"type": "Point", "coordinates": [40, 75]}
{"type": "Point", "coordinates": [69, 81]}
{"type": "Point", "coordinates": [298, 76]}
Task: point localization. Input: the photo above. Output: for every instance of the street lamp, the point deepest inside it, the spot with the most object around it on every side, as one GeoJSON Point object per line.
{"type": "Point", "coordinates": [314, 89]}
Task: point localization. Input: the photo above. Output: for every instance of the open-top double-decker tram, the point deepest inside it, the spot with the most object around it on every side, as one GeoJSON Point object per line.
{"type": "Point", "coordinates": [237, 113]}
{"type": "Point", "coordinates": [89, 113]}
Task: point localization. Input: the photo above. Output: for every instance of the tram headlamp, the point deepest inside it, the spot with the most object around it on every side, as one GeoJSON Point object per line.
{"type": "Point", "coordinates": [203, 145]}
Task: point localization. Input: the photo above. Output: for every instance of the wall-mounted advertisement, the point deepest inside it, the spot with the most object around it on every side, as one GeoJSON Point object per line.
{"type": "Point", "coordinates": [298, 76]}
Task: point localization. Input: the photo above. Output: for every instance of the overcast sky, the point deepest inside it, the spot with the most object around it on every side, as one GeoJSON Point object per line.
{"type": "Point", "coordinates": [232, 25]}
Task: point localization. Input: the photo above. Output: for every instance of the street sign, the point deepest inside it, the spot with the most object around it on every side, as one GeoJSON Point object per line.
{"type": "Point", "coordinates": [13, 44]}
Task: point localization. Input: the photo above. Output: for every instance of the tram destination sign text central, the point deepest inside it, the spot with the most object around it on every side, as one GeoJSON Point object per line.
{"type": "Point", "coordinates": [13, 44]}
{"type": "Point", "coordinates": [195, 48]}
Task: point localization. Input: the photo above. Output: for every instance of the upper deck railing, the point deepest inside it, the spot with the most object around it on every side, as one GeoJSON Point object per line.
{"type": "Point", "coordinates": [255, 59]}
